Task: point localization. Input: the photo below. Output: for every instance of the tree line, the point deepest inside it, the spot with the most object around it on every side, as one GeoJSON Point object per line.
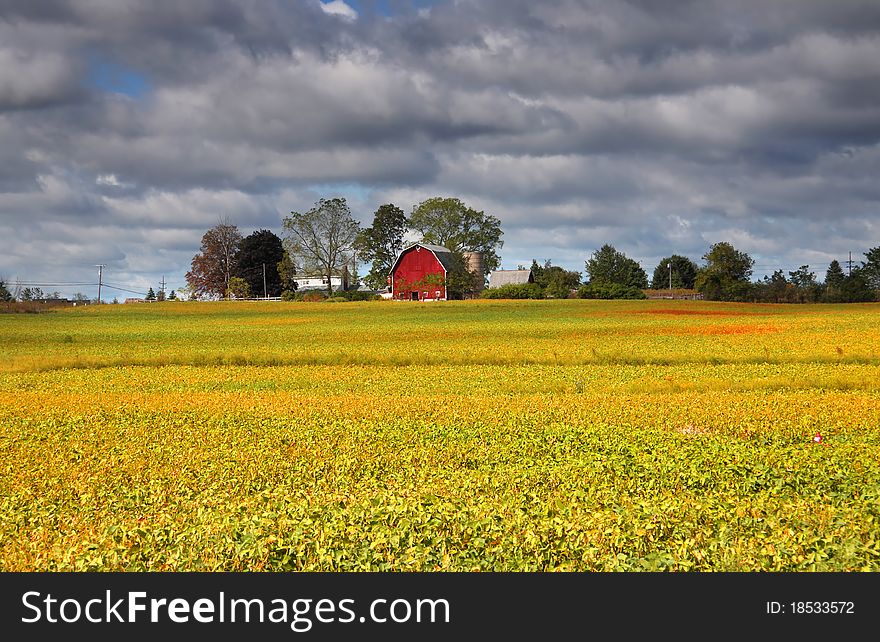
{"type": "Point", "coordinates": [726, 276]}
{"type": "Point", "coordinates": [326, 240]}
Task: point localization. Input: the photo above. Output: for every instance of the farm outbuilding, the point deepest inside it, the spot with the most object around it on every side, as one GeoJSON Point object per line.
{"type": "Point", "coordinates": [510, 277]}
{"type": "Point", "coordinates": [419, 273]}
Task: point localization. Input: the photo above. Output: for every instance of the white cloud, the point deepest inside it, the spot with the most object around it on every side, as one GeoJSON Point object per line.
{"type": "Point", "coordinates": [108, 179]}
{"type": "Point", "coordinates": [339, 8]}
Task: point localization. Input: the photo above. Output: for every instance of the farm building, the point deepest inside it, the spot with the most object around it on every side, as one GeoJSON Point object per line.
{"type": "Point", "coordinates": [338, 281]}
{"type": "Point", "coordinates": [510, 277]}
{"type": "Point", "coordinates": [419, 273]}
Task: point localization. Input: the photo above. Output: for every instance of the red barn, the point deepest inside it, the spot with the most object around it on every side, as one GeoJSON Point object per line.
{"type": "Point", "coordinates": [419, 273]}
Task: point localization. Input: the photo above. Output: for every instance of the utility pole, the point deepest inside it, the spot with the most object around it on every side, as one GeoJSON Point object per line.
{"type": "Point", "coordinates": [100, 267]}
{"type": "Point", "coordinates": [849, 264]}
{"type": "Point", "coordinates": [669, 265]}
{"type": "Point", "coordinates": [265, 296]}
{"type": "Point", "coordinates": [162, 287]}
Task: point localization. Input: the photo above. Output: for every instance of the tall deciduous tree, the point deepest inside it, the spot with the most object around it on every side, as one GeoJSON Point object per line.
{"type": "Point", "coordinates": [726, 274]}
{"type": "Point", "coordinates": [684, 272]}
{"type": "Point", "coordinates": [608, 266]}
{"type": "Point", "coordinates": [215, 264]}
{"type": "Point", "coordinates": [322, 240]}
{"type": "Point", "coordinates": [380, 243]}
{"type": "Point", "coordinates": [452, 224]}
{"type": "Point", "coordinates": [262, 248]}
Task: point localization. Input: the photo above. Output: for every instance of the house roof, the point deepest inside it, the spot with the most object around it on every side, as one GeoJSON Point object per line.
{"type": "Point", "coordinates": [443, 254]}
{"type": "Point", "coordinates": [510, 277]}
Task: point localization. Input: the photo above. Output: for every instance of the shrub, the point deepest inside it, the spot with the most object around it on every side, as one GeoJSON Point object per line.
{"type": "Point", "coordinates": [514, 291]}
{"type": "Point", "coordinates": [354, 295]}
{"type": "Point", "coordinates": [610, 291]}
{"type": "Point", "coordinates": [288, 295]}
{"type": "Point", "coordinates": [310, 297]}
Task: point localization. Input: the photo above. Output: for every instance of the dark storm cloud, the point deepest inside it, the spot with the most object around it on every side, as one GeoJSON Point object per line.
{"type": "Point", "coordinates": [658, 126]}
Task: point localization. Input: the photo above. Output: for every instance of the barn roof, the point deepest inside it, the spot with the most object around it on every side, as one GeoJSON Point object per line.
{"type": "Point", "coordinates": [443, 254]}
{"type": "Point", "coordinates": [510, 277]}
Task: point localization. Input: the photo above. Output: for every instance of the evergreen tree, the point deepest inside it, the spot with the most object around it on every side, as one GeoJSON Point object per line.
{"type": "Point", "coordinates": [151, 296]}
{"type": "Point", "coordinates": [5, 294]}
{"type": "Point", "coordinates": [834, 280]}
{"type": "Point", "coordinates": [871, 268]}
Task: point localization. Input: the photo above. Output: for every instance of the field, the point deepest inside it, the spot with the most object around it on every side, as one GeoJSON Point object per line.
{"type": "Point", "coordinates": [477, 435]}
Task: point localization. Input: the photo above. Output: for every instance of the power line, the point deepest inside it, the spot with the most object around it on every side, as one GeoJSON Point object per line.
{"type": "Point", "coordinates": [33, 283]}
{"type": "Point", "coordinates": [113, 287]}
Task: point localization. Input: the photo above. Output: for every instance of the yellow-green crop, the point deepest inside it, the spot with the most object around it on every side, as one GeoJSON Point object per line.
{"type": "Point", "coordinates": [483, 435]}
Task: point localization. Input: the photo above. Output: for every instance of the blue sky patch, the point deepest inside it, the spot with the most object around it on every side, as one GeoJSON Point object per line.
{"type": "Point", "coordinates": [387, 7]}
{"type": "Point", "coordinates": [118, 79]}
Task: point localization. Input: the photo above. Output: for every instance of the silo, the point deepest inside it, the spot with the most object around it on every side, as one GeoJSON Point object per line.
{"type": "Point", "coordinates": [475, 262]}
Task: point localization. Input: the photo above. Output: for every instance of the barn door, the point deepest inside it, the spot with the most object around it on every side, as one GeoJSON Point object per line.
{"type": "Point", "coordinates": [415, 296]}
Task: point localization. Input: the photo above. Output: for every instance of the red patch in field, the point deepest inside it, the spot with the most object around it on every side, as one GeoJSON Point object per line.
{"type": "Point", "coordinates": [698, 313]}
{"type": "Point", "coordinates": [729, 329]}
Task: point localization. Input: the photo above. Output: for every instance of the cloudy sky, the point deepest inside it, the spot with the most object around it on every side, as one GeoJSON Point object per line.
{"type": "Point", "coordinates": [128, 128]}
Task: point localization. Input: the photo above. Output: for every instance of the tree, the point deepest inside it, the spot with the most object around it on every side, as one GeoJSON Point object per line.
{"type": "Point", "coordinates": [5, 294]}
{"type": "Point", "coordinates": [856, 288]}
{"type": "Point", "coordinates": [151, 296]}
{"type": "Point", "coordinates": [287, 274]}
{"type": "Point", "coordinates": [32, 294]}
{"type": "Point", "coordinates": [450, 223]}
{"type": "Point", "coordinates": [322, 240]}
{"type": "Point", "coordinates": [773, 289]}
{"type": "Point", "coordinates": [834, 277]}
{"type": "Point", "coordinates": [684, 272]}
{"type": "Point", "coordinates": [607, 266]}
{"type": "Point", "coordinates": [172, 296]}
{"type": "Point", "coordinates": [806, 288]}
{"type": "Point", "coordinates": [161, 295]}
{"type": "Point", "coordinates": [871, 268]}
{"type": "Point", "coordinates": [555, 281]}
{"type": "Point", "coordinates": [215, 264]}
{"type": "Point", "coordinates": [256, 250]}
{"type": "Point", "coordinates": [380, 244]}
{"type": "Point", "coordinates": [725, 276]}
{"type": "Point", "coordinates": [238, 289]}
